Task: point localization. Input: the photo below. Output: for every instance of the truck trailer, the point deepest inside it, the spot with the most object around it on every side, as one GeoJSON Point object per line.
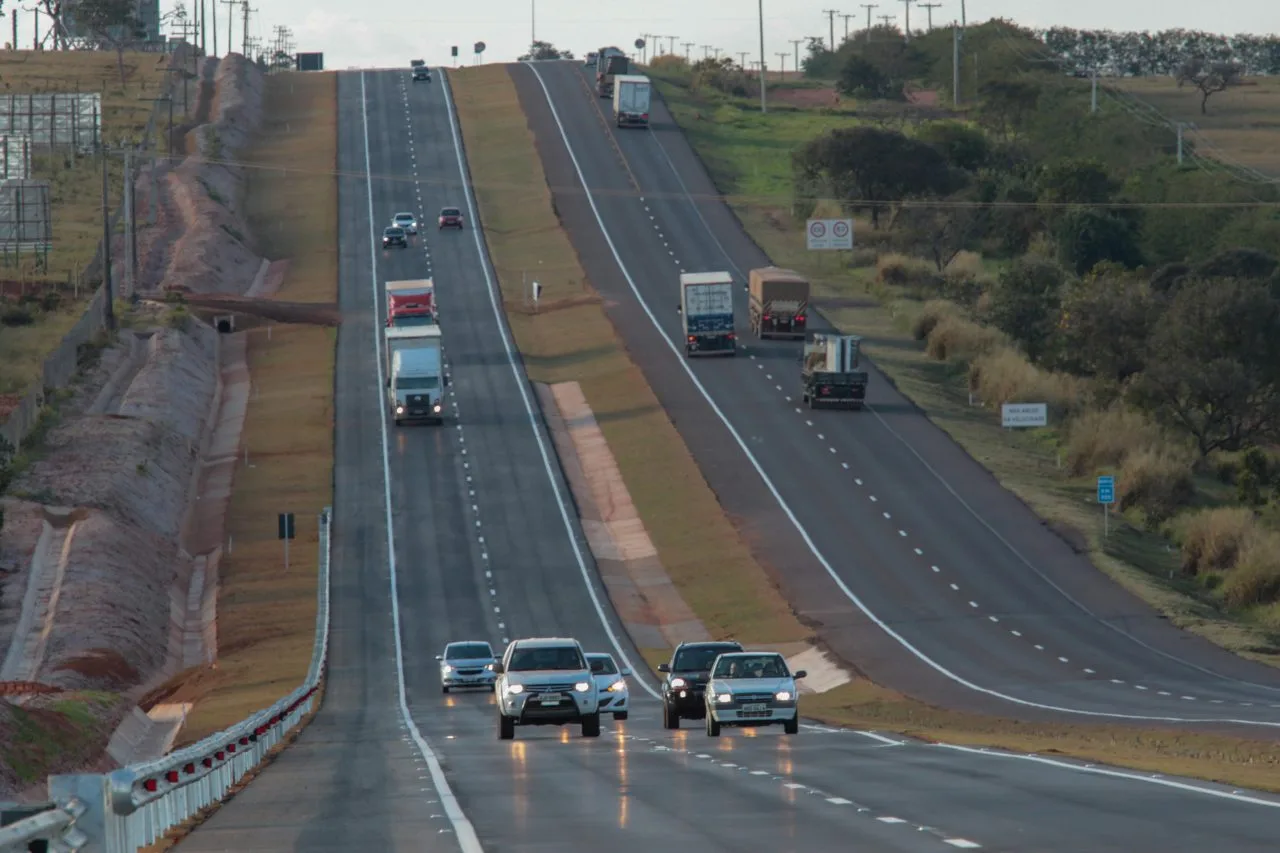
{"type": "Point", "coordinates": [609, 64]}
{"type": "Point", "coordinates": [415, 373]}
{"type": "Point", "coordinates": [631, 94]}
{"type": "Point", "coordinates": [829, 372]}
{"type": "Point", "coordinates": [779, 302]}
{"type": "Point", "coordinates": [411, 303]}
{"type": "Point", "coordinates": [706, 310]}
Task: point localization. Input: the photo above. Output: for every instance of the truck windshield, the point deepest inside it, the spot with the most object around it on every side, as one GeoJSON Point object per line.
{"type": "Point", "coordinates": [416, 383]}
{"type": "Point", "coordinates": [401, 321]}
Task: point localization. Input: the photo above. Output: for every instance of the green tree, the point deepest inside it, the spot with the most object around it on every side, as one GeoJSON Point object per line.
{"type": "Point", "coordinates": [1105, 322]}
{"type": "Point", "coordinates": [1024, 303]}
{"type": "Point", "coordinates": [111, 22]}
{"type": "Point", "coordinates": [964, 147]}
{"type": "Point", "coordinates": [1075, 180]}
{"type": "Point", "coordinates": [1087, 236]}
{"type": "Point", "coordinates": [546, 50]}
{"type": "Point", "coordinates": [1007, 105]}
{"type": "Point", "coordinates": [1208, 77]}
{"type": "Point", "coordinates": [861, 79]}
{"type": "Point", "coordinates": [1213, 364]}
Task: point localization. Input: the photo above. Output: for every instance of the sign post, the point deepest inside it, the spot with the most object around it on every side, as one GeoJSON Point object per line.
{"type": "Point", "coordinates": [479, 48]}
{"type": "Point", "coordinates": [455, 54]}
{"type": "Point", "coordinates": [1106, 497]}
{"type": "Point", "coordinates": [285, 531]}
{"type": "Point", "coordinates": [829, 234]}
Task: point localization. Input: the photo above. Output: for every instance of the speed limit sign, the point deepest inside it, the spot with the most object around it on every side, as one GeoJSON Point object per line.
{"type": "Point", "coordinates": [830, 233]}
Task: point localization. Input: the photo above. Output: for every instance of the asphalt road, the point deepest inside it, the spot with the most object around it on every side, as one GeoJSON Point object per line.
{"type": "Point", "coordinates": [917, 564]}
{"type": "Point", "coordinates": [357, 778]}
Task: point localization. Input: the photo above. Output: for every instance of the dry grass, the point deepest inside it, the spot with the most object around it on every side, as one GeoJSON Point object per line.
{"type": "Point", "coordinates": [75, 187]}
{"type": "Point", "coordinates": [930, 314]}
{"type": "Point", "coordinates": [266, 614]}
{"type": "Point", "coordinates": [1100, 440]}
{"type": "Point", "coordinates": [698, 546]}
{"type": "Point", "coordinates": [1213, 539]}
{"type": "Point", "coordinates": [954, 338]}
{"type": "Point", "coordinates": [1004, 375]}
{"type": "Point", "coordinates": [1156, 481]}
{"type": "Point", "coordinates": [1240, 127]}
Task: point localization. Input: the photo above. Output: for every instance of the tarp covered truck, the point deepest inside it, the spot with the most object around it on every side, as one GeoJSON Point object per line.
{"type": "Point", "coordinates": [609, 64]}
{"type": "Point", "coordinates": [411, 303]}
{"type": "Point", "coordinates": [779, 303]}
{"type": "Point", "coordinates": [415, 373]}
{"type": "Point", "coordinates": [631, 93]}
{"type": "Point", "coordinates": [829, 372]}
{"type": "Point", "coordinates": [706, 310]}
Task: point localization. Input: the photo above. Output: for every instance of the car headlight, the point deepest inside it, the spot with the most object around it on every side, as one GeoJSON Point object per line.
{"type": "Point", "coordinates": [724, 698]}
{"type": "Point", "coordinates": [783, 696]}
{"type": "Point", "coordinates": [489, 667]}
{"type": "Point", "coordinates": [399, 410]}
{"type": "Point", "coordinates": [582, 686]}
{"type": "Point", "coordinates": [448, 668]}
{"type": "Point", "coordinates": [515, 688]}
{"type": "Point", "coordinates": [677, 683]}
{"type": "Point", "coordinates": [618, 686]}
{"type": "Point", "coordinates": [436, 407]}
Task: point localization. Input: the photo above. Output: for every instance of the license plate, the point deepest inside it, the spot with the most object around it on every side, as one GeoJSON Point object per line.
{"type": "Point", "coordinates": [550, 700]}
{"type": "Point", "coordinates": [753, 709]}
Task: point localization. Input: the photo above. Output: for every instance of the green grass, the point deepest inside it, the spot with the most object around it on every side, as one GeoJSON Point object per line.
{"type": "Point", "coordinates": [52, 736]}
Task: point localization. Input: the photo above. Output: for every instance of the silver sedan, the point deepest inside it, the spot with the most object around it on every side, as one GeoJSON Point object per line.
{"type": "Point", "coordinates": [468, 663]}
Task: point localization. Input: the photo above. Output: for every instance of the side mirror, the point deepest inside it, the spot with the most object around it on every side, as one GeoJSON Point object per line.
{"type": "Point", "coordinates": [662, 667]}
{"type": "Point", "coordinates": [679, 309]}
{"type": "Point", "coordinates": [800, 674]}
{"type": "Point", "coordinates": [625, 673]}
{"type": "Point", "coordinates": [497, 668]}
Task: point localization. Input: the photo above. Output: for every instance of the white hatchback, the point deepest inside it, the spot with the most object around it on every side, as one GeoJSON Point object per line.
{"type": "Point", "coordinates": [611, 682]}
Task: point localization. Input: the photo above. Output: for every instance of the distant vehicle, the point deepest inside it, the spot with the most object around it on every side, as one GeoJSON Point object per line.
{"type": "Point", "coordinates": [407, 221]}
{"type": "Point", "coordinates": [829, 372]}
{"type": "Point", "coordinates": [610, 62]}
{"type": "Point", "coordinates": [615, 697]}
{"type": "Point", "coordinates": [415, 374]}
{"type": "Point", "coordinates": [631, 95]}
{"type": "Point", "coordinates": [411, 303]}
{"type": "Point", "coordinates": [451, 217]}
{"type": "Point", "coordinates": [420, 71]}
{"type": "Point", "coordinates": [546, 682]}
{"type": "Point", "coordinates": [752, 689]}
{"type": "Point", "coordinates": [706, 310]}
{"type": "Point", "coordinates": [779, 300]}
{"type": "Point", "coordinates": [394, 236]}
{"type": "Point", "coordinates": [469, 663]}
{"type": "Point", "coordinates": [416, 63]}
{"type": "Point", "coordinates": [590, 61]}
{"type": "Point", "coordinates": [686, 680]}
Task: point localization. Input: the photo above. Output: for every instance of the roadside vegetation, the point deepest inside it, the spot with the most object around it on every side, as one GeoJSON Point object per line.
{"type": "Point", "coordinates": [42, 296]}
{"type": "Point", "coordinates": [1026, 249]}
{"type": "Point", "coordinates": [571, 339]}
{"type": "Point", "coordinates": [266, 612]}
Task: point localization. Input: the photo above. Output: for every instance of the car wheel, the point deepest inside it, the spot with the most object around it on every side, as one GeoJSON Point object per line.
{"type": "Point", "coordinates": [713, 727]}
{"type": "Point", "coordinates": [444, 688]}
{"type": "Point", "coordinates": [591, 725]}
{"type": "Point", "coordinates": [792, 727]}
{"type": "Point", "coordinates": [670, 719]}
{"type": "Point", "coordinates": [493, 688]}
{"type": "Point", "coordinates": [506, 727]}
{"type": "Point", "coordinates": [620, 715]}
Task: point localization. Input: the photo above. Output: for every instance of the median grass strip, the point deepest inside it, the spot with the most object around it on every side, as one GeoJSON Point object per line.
{"type": "Point", "coordinates": [50, 291]}
{"type": "Point", "coordinates": [569, 340]}
{"type": "Point", "coordinates": [266, 613]}
{"type": "Point", "coordinates": [572, 339]}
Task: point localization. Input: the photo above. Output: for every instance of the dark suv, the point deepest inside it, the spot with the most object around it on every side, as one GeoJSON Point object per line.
{"type": "Point", "coordinates": [686, 679]}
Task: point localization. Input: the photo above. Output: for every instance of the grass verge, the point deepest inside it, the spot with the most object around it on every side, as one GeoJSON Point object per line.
{"type": "Point", "coordinates": [52, 735]}
{"type": "Point", "coordinates": [266, 613]}
{"type": "Point", "coordinates": [50, 289]}
{"type": "Point", "coordinates": [697, 544]}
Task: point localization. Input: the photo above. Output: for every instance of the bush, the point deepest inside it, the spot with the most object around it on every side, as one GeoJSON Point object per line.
{"type": "Point", "coordinates": [50, 299]}
{"type": "Point", "coordinates": [901, 271]}
{"type": "Point", "coordinates": [17, 315]}
{"type": "Point", "coordinates": [1213, 539]}
{"type": "Point", "coordinates": [1003, 375]}
{"type": "Point", "coordinates": [966, 264]}
{"type": "Point", "coordinates": [1103, 438]}
{"type": "Point", "coordinates": [962, 340]}
{"type": "Point", "coordinates": [1157, 481]}
{"type": "Point", "coordinates": [1255, 579]}
{"type": "Point", "coordinates": [863, 257]}
{"type": "Point", "coordinates": [930, 315]}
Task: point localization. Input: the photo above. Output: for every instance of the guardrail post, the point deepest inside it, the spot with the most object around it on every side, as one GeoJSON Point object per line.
{"type": "Point", "coordinates": [91, 790]}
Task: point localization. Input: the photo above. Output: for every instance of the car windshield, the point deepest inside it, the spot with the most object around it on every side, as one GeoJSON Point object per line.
{"type": "Point", "coordinates": [549, 658]}
{"type": "Point", "coordinates": [414, 383]}
{"type": "Point", "coordinates": [468, 651]}
{"type": "Point", "coordinates": [451, 211]}
{"type": "Point", "coordinates": [698, 659]}
{"type": "Point", "coordinates": [602, 665]}
{"type": "Point", "coordinates": [751, 666]}
{"type": "Point", "coordinates": [393, 232]}
{"type": "Point", "coordinates": [401, 321]}
{"type": "Point", "coordinates": [404, 217]}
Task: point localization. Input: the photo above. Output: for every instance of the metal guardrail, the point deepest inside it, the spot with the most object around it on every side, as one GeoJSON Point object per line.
{"type": "Point", "coordinates": [133, 807]}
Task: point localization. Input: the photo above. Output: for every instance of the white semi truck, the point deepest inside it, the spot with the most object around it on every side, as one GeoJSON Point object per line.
{"type": "Point", "coordinates": [415, 374]}
{"type": "Point", "coordinates": [631, 95]}
{"type": "Point", "coordinates": [706, 309]}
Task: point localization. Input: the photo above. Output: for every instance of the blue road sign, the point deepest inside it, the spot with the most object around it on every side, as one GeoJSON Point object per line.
{"type": "Point", "coordinates": [1106, 490]}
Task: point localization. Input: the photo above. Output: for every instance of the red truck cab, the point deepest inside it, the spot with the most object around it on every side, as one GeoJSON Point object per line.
{"type": "Point", "coordinates": [411, 303]}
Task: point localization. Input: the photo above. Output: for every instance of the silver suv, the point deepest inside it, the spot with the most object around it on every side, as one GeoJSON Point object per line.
{"type": "Point", "coordinates": [546, 682]}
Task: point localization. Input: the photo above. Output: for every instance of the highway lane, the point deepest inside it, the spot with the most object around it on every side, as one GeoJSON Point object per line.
{"type": "Point", "coordinates": [951, 585]}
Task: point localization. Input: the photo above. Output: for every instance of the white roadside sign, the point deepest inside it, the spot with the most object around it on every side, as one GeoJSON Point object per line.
{"type": "Point", "coordinates": [1024, 415]}
{"type": "Point", "coordinates": [829, 233]}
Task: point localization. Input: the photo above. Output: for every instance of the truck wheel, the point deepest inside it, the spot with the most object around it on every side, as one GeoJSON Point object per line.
{"type": "Point", "coordinates": [444, 688]}
{"type": "Point", "coordinates": [670, 719]}
{"type": "Point", "coordinates": [398, 422]}
{"type": "Point", "coordinates": [620, 715]}
{"type": "Point", "coordinates": [713, 727]}
{"type": "Point", "coordinates": [506, 727]}
{"type": "Point", "coordinates": [792, 726]}
{"type": "Point", "coordinates": [591, 725]}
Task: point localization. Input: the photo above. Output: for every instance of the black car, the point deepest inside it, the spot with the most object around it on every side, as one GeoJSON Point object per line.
{"type": "Point", "coordinates": [686, 680]}
{"type": "Point", "coordinates": [394, 237]}
{"type": "Point", "coordinates": [421, 72]}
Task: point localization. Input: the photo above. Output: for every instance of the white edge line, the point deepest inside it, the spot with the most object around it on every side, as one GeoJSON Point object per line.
{"type": "Point", "coordinates": [466, 833]}
{"type": "Point", "coordinates": [522, 383]}
{"type": "Point", "coordinates": [804, 534]}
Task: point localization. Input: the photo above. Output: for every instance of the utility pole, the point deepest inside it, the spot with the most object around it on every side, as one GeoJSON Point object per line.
{"type": "Point", "coordinates": [214, 30]}
{"type": "Point", "coordinates": [907, 29]}
{"type": "Point", "coordinates": [245, 44]}
{"type": "Point", "coordinates": [764, 105]}
{"type": "Point", "coordinates": [797, 43]}
{"type": "Point", "coordinates": [109, 308]}
{"type": "Point", "coordinates": [929, 7]}
{"type": "Point", "coordinates": [887, 20]}
{"type": "Point", "coordinates": [846, 25]}
{"type": "Point", "coordinates": [831, 20]}
{"type": "Point", "coordinates": [742, 57]}
{"type": "Point", "coordinates": [671, 45]}
{"type": "Point", "coordinates": [130, 223]}
{"type": "Point", "coordinates": [869, 7]}
{"type": "Point", "coordinates": [644, 51]}
{"type": "Point", "coordinates": [687, 46]}
{"type": "Point", "coordinates": [955, 66]}
{"type": "Point", "coordinates": [1093, 94]}
{"type": "Point", "coordinates": [782, 65]}
{"type": "Point", "coordinates": [706, 51]}
{"type": "Point", "coordinates": [231, 20]}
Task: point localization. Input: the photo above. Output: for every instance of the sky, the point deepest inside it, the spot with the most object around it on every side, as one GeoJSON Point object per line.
{"type": "Point", "coordinates": [364, 35]}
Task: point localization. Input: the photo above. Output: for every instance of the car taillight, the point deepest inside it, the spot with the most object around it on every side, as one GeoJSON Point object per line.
{"type": "Point", "coordinates": [644, 116]}
{"type": "Point", "coordinates": [826, 389]}
{"type": "Point", "coordinates": [800, 319]}
{"type": "Point", "coordinates": [766, 318]}
{"type": "Point", "coordinates": [732, 336]}
{"type": "Point", "coordinates": [692, 339]}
